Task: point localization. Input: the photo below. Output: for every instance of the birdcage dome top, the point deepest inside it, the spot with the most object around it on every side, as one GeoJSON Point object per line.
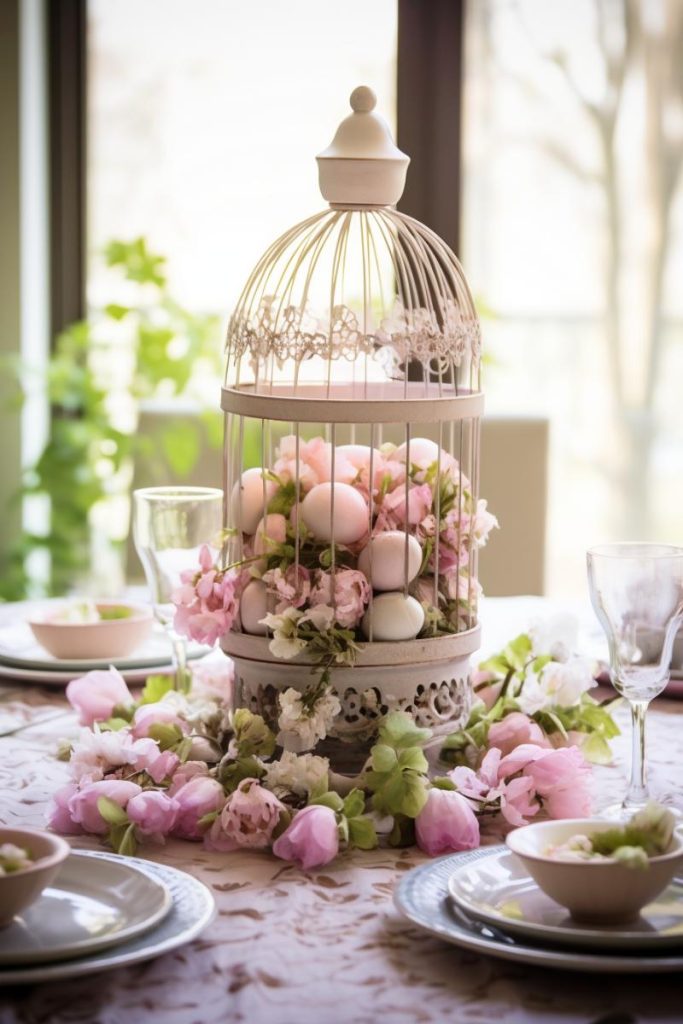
{"type": "Point", "coordinates": [358, 301]}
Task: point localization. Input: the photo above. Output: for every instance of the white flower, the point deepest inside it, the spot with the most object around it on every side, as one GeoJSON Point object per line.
{"type": "Point", "coordinates": [300, 727]}
{"type": "Point", "coordinates": [96, 753]}
{"type": "Point", "coordinates": [303, 774]}
{"type": "Point", "coordinates": [484, 522]}
{"type": "Point", "coordinates": [560, 684]}
{"type": "Point", "coordinates": [286, 647]}
{"type": "Point", "coordinates": [321, 617]}
{"type": "Point", "coordinates": [556, 636]}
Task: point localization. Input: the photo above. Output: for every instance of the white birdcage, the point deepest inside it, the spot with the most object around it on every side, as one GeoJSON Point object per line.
{"type": "Point", "coordinates": [352, 406]}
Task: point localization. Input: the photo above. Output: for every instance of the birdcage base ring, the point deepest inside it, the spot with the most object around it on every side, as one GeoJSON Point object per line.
{"type": "Point", "coordinates": [430, 679]}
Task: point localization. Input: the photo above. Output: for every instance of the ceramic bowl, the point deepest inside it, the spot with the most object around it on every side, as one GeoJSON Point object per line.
{"type": "Point", "coordinates": [108, 638]}
{"type": "Point", "coordinates": [21, 888]}
{"type": "Point", "coordinates": [597, 892]}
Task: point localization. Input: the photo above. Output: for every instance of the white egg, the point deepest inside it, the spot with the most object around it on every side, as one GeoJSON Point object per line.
{"type": "Point", "coordinates": [388, 560]}
{"type": "Point", "coordinates": [247, 512]}
{"type": "Point", "coordinates": [422, 451]}
{"type": "Point", "coordinates": [253, 607]}
{"type": "Point", "coordinates": [394, 617]}
{"type": "Point", "coordinates": [350, 520]}
{"type": "Point", "coordinates": [271, 530]}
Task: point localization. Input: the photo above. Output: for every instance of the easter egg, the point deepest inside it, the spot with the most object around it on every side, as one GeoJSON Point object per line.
{"type": "Point", "coordinates": [271, 530]}
{"type": "Point", "coordinates": [394, 616]}
{"type": "Point", "coordinates": [422, 452]}
{"type": "Point", "coordinates": [247, 503]}
{"type": "Point", "coordinates": [350, 520]}
{"type": "Point", "coordinates": [388, 560]}
{"type": "Point", "coordinates": [253, 607]}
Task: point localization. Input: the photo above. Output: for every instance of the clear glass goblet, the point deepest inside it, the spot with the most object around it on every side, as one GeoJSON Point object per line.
{"type": "Point", "coordinates": [170, 525]}
{"type": "Point", "coordinates": [637, 593]}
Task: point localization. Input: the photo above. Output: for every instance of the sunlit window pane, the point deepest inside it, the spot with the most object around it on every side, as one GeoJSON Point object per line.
{"type": "Point", "coordinates": [574, 132]}
{"type": "Point", "coordinates": [205, 119]}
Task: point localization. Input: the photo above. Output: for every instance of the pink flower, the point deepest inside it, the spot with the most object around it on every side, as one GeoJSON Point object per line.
{"type": "Point", "coordinates": [562, 778]}
{"type": "Point", "coordinates": [248, 818]}
{"type": "Point", "coordinates": [214, 680]}
{"type": "Point", "coordinates": [315, 461]}
{"type": "Point", "coordinates": [518, 760]}
{"type": "Point", "coordinates": [153, 813]}
{"type": "Point", "coordinates": [392, 513]}
{"type": "Point", "coordinates": [312, 838]}
{"type": "Point", "coordinates": [161, 713]}
{"type": "Point", "coordinates": [185, 772]}
{"type": "Point", "coordinates": [200, 796]}
{"type": "Point", "coordinates": [59, 816]}
{"type": "Point", "coordinates": [291, 587]}
{"type": "Point", "coordinates": [446, 822]}
{"type": "Point", "coordinates": [206, 603]}
{"type": "Point", "coordinates": [83, 804]}
{"type": "Point", "coordinates": [350, 595]}
{"type": "Point", "coordinates": [96, 694]}
{"type": "Point", "coordinates": [158, 765]}
{"type": "Point", "coordinates": [490, 693]}
{"type": "Point", "coordinates": [517, 800]}
{"type": "Point", "coordinates": [514, 730]}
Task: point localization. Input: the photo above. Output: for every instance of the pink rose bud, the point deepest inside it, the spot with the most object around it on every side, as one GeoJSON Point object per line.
{"type": "Point", "coordinates": [248, 818]}
{"type": "Point", "coordinates": [514, 730]}
{"type": "Point", "coordinates": [185, 772]}
{"type": "Point", "coordinates": [96, 694]}
{"type": "Point", "coordinates": [200, 796]}
{"type": "Point", "coordinates": [59, 815]}
{"type": "Point", "coordinates": [153, 812]}
{"type": "Point", "coordinates": [445, 823]}
{"type": "Point", "coordinates": [83, 804]}
{"type": "Point", "coordinates": [161, 713]}
{"type": "Point", "coordinates": [311, 840]}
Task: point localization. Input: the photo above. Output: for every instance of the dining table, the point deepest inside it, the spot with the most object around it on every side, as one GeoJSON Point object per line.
{"type": "Point", "coordinates": [327, 947]}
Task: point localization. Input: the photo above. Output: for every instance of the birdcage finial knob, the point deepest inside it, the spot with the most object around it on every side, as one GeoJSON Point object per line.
{"type": "Point", "coordinates": [362, 100]}
{"type": "Point", "coordinates": [362, 166]}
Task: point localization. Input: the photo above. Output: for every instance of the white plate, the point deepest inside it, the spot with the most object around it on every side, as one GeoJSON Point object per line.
{"type": "Point", "coordinates": [193, 909]}
{"type": "Point", "coordinates": [20, 649]}
{"type": "Point", "coordinates": [46, 678]}
{"type": "Point", "coordinates": [92, 904]}
{"type": "Point", "coordinates": [497, 889]}
{"type": "Point", "coordinates": [423, 897]}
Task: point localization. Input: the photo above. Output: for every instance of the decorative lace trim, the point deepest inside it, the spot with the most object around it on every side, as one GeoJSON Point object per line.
{"type": "Point", "coordinates": [406, 335]}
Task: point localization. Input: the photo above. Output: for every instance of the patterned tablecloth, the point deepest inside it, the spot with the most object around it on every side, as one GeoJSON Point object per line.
{"type": "Point", "coordinates": [291, 949]}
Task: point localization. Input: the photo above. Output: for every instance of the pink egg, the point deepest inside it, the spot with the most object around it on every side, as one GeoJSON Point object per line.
{"type": "Point", "coordinates": [247, 502]}
{"type": "Point", "coordinates": [271, 530]}
{"type": "Point", "coordinates": [350, 519]}
{"type": "Point", "coordinates": [253, 607]}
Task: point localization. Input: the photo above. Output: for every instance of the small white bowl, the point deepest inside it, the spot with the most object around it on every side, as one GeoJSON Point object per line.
{"type": "Point", "coordinates": [83, 641]}
{"type": "Point", "coordinates": [599, 891]}
{"type": "Point", "coordinates": [19, 889]}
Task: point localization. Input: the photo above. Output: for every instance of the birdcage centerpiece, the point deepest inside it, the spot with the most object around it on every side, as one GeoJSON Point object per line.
{"type": "Point", "coordinates": [352, 406]}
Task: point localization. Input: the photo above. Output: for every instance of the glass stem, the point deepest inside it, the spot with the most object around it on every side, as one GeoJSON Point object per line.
{"type": "Point", "coordinates": [179, 645]}
{"type": "Point", "coordinates": [637, 795]}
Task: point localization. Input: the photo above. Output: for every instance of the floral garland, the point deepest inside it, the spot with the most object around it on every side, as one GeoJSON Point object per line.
{"type": "Point", "coordinates": [186, 765]}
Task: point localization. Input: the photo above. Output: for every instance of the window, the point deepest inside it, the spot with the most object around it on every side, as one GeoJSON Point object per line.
{"type": "Point", "coordinates": [572, 243]}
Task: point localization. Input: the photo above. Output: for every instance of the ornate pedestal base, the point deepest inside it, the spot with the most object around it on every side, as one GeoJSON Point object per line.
{"type": "Point", "coordinates": [427, 678]}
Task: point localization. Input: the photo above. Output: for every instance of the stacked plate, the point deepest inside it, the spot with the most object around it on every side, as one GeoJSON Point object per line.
{"type": "Point", "coordinates": [485, 901]}
{"type": "Point", "coordinates": [22, 658]}
{"type": "Point", "coordinates": [103, 911]}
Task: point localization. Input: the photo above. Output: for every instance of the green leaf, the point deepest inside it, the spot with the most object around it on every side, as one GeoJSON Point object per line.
{"type": "Point", "coordinates": [403, 831]}
{"type": "Point", "coordinates": [362, 833]}
{"type": "Point", "coordinates": [155, 688]}
{"type": "Point", "coordinates": [343, 830]}
{"type": "Point", "coordinates": [114, 724]}
{"type": "Point", "coordinates": [414, 759]}
{"type": "Point", "coordinates": [518, 650]}
{"type": "Point", "coordinates": [354, 804]}
{"type": "Point", "coordinates": [331, 800]}
{"type": "Point", "coordinates": [184, 749]}
{"type": "Point", "coordinates": [112, 812]}
{"type": "Point", "coordinates": [115, 311]}
{"type": "Point", "coordinates": [596, 749]}
{"type": "Point", "coordinates": [165, 735]}
{"type": "Point", "coordinates": [398, 730]}
{"type": "Point", "coordinates": [383, 758]}
{"type": "Point", "coordinates": [498, 665]}
{"type": "Point", "coordinates": [128, 844]}
{"type": "Point", "coordinates": [252, 735]}
{"type": "Point", "coordinates": [231, 773]}
{"type": "Point", "coordinates": [443, 782]}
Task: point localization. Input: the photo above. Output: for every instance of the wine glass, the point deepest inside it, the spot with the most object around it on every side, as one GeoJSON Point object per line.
{"type": "Point", "coordinates": [170, 525]}
{"type": "Point", "coordinates": [637, 593]}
